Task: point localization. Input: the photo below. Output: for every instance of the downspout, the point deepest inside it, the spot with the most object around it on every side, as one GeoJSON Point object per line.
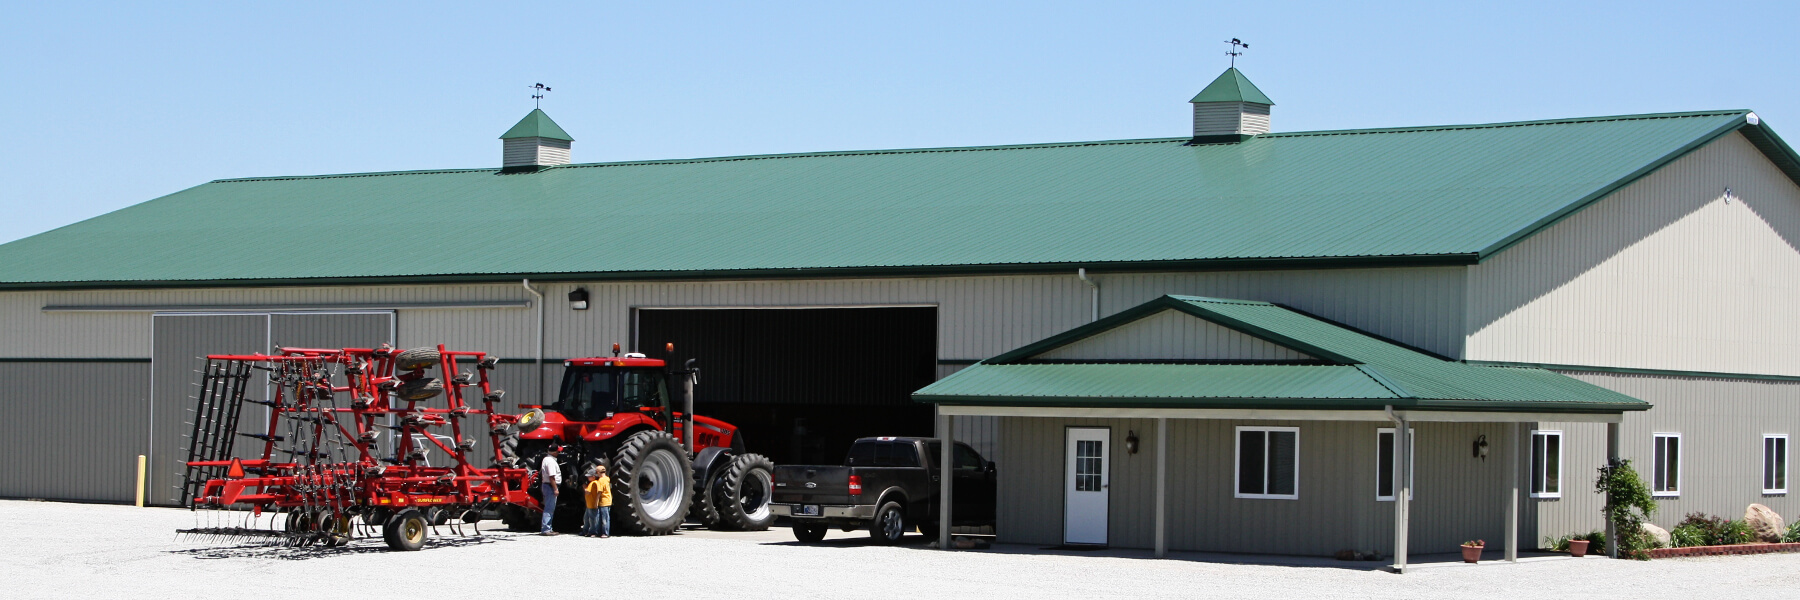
{"type": "Point", "coordinates": [1402, 487]}
{"type": "Point", "coordinates": [540, 337]}
{"type": "Point", "coordinates": [1081, 274]}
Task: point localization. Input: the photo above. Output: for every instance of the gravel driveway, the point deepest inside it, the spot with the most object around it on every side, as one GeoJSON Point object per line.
{"type": "Point", "coordinates": [59, 550]}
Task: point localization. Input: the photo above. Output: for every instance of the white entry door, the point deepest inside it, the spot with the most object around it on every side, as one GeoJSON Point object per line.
{"type": "Point", "coordinates": [1086, 484]}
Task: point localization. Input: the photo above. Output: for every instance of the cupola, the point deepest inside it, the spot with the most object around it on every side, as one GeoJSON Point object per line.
{"type": "Point", "coordinates": [536, 142]}
{"type": "Point", "coordinates": [1230, 110]}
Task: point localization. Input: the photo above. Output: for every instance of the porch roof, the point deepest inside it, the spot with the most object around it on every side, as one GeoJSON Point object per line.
{"type": "Point", "coordinates": [1353, 371]}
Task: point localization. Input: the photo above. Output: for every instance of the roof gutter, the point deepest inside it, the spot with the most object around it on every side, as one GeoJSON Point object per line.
{"type": "Point", "coordinates": [1082, 274]}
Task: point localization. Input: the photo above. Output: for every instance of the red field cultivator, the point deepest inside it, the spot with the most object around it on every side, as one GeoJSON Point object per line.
{"type": "Point", "coordinates": [358, 442]}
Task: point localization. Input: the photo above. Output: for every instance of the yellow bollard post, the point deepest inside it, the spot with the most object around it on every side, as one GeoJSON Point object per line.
{"type": "Point", "coordinates": [140, 482]}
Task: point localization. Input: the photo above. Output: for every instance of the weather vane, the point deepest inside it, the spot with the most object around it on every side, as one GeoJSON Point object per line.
{"type": "Point", "coordinates": [1234, 52]}
{"type": "Point", "coordinates": [537, 97]}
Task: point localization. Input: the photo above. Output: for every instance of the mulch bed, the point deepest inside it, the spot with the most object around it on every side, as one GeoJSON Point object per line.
{"type": "Point", "coordinates": [1723, 550]}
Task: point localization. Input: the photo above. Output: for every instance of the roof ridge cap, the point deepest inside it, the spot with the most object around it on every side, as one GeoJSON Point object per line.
{"type": "Point", "coordinates": [1505, 124]}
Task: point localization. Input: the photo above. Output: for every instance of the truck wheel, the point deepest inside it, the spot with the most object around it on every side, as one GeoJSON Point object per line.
{"type": "Point", "coordinates": [416, 358]}
{"type": "Point", "coordinates": [653, 483]}
{"type": "Point", "coordinates": [809, 533]}
{"type": "Point", "coordinates": [405, 531]}
{"type": "Point", "coordinates": [889, 525]}
{"type": "Point", "coordinates": [742, 493]}
{"type": "Point", "coordinates": [420, 389]}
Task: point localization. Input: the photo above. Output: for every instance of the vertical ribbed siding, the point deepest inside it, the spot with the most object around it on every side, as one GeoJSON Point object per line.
{"type": "Point", "coordinates": [1173, 335]}
{"type": "Point", "coordinates": [1230, 118]}
{"type": "Point", "coordinates": [1721, 422]}
{"type": "Point", "coordinates": [1663, 274]}
{"type": "Point", "coordinates": [1458, 497]}
{"type": "Point", "coordinates": [74, 430]}
{"type": "Point", "coordinates": [520, 152]}
{"type": "Point", "coordinates": [182, 343]}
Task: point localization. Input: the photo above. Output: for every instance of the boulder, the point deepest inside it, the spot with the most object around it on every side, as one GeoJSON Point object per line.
{"type": "Point", "coordinates": [1658, 535]}
{"type": "Point", "coordinates": [1764, 523]}
{"type": "Point", "coordinates": [1346, 555]}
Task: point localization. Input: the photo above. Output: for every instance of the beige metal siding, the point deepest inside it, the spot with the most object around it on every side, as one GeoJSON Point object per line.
{"type": "Point", "coordinates": [519, 152]}
{"type": "Point", "coordinates": [73, 430]}
{"type": "Point", "coordinates": [1458, 497]}
{"type": "Point", "coordinates": [1721, 422]}
{"type": "Point", "coordinates": [1663, 274]}
{"type": "Point", "coordinates": [1218, 118]}
{"type": "Point", "coordinates": [1256, 118]}
{"type": "Point", "coordinates": [1173, 335]}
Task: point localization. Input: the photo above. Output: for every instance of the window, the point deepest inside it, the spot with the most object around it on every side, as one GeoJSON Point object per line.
{"type": "Point", "coordinates": [883, 454]}
{"type": "Point", "coordinates": [1775, 463]}
{"type": "Point", "coordinates": [1087, 466]}
{"type": "Point", "coordinates": [1546, 464]}
{"type": "Point", "coordinates": [1665, 476]}
{"type": "Point", "coordinates": [1384, 464]}
{"type": "Point", "coordinates": [1268, 462]}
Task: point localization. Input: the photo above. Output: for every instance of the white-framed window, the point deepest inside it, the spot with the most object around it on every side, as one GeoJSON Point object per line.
{"type": "Point", "coordinates": [1384, 464]}
{"type": "Point", "coordinates": [1775, 463]}
{"type": "Point", "coordinates": [1546, 463]}
{"type": "Point", "coordinates": [1268, 462]}
{"type": "Point", "coordinates": [1665, 465]}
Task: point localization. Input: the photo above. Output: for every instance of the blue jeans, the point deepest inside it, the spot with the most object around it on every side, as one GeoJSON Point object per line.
{"type": "Point", "coordinates": [549, 490]}
{"type": "Point", "coordinates": [597, 521]}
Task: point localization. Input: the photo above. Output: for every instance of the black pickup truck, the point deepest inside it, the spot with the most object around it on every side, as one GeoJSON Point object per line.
{"type": "Point", "coordinates": [888, 485]}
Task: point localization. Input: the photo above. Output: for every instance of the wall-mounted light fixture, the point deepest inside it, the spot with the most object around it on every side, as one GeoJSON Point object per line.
{"type": "Point", "coordinates": [1131, 442]}
{"type": "Point", "coordinates": [1728, 195]}
{"type": "Point", "coordinates": [578, 299]}
{"type": "Point", "coordinates": [1481, 447]}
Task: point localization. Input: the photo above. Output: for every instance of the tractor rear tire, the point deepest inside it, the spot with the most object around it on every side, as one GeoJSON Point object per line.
{"type": "Point", "coordinates": [809, 533]}
{"type": "Point", "coordinates": [742, 493]}
{"type": "Point", "coordinates": [420, 389]}
{"type": "Point", "coordinates": [889, 525]}
{"type": "Point", "coordinates": [653, 484]}
{"type": "Point", "coordinates": [405, 531]}
{"type": "Point", "coordinates": [416, 358]}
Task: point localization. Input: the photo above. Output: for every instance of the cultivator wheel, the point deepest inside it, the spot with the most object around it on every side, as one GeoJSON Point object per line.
{"type": "Point", "coordinates": [405, 531]}
{"type": "Point", "coordinates": [652, 484]}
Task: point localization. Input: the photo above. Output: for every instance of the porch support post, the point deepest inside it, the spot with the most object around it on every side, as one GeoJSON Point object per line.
{"type": "Point", "coordinates": [1612, 458]}
{"type": "Point", "coordinates": [945, 471]}
{"type": "Point", "coordinates": [1162, 488]}
{"type": "Point", "coordinates": [1402, 487]}
{"type": "Point", "coordinates": [1512, 494]}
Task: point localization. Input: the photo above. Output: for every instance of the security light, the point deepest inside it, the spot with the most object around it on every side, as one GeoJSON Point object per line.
{"type": "Point", "coordinates": [578, 299]}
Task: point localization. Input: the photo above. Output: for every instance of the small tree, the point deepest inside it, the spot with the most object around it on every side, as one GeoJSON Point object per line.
{"type": "Point", "coordinates": [1628, 505]}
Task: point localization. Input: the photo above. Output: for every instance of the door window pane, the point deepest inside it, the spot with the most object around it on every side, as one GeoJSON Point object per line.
{"type": "Point", "coordinates": [1088, 474]}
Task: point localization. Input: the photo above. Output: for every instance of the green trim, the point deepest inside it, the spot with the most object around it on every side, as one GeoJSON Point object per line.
{"type": "Point", "coordinates": [1370, 404]}
{"type": "Point", "coordinates": [1226, 264]}
{"type": "Point", "coordinates": [74, 360]}
{"type": "Point", "coordinates": [1632, 371]}
{"type": "Point", "coordinates": [1553, 218]}
{"type": "Point", "coordinates": [1778, 151]}
{"type": "Point", "coordinates": [958, 361]}
{"type": "Point", "coordinates": [1390, 384]}
{"type": "Point", "coordinates": [1169, 303]}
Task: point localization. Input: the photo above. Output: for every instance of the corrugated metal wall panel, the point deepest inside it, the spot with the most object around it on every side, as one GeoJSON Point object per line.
{"type": "Point", "coordinates": [74, 430]}
{"type": "Point", "coordinates": [1663, 274]}
{"type": "Point", "coordinates": [1173, 335]}
{"type": "Point", "coordinates": [182, 343]}
{"type": "Point", "coordinates": [1721, 422]}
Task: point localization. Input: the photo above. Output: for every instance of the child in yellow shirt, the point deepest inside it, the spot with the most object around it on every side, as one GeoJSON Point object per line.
{"type": "Point", "coordinates": [598, 494]}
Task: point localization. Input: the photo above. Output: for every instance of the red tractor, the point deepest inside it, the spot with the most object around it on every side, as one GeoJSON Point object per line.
{"type": "Point", "coordinates": [668, 466]}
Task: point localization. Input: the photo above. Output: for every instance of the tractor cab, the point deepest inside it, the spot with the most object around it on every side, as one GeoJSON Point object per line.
{"type": "Point", "coordinates": [595, 389]}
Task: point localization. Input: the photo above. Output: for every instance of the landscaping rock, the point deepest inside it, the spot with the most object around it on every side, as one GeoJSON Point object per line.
{"type": "Point", "coordinates": [1659, 534]}
{"type": "Point", "coordinates": [1346, 555]}
{"type": "Point", "coordinates": [1764, 523]}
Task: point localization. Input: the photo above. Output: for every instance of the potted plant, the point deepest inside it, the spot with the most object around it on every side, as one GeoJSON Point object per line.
{"type": "Point", "coordinates": [1578, 548]}
{"type": "Point", "coordinates": [1472, 550]}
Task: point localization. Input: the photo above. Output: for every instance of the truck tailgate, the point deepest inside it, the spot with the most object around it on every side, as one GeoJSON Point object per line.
{"type": "Point", "coordinates": [812, 484]}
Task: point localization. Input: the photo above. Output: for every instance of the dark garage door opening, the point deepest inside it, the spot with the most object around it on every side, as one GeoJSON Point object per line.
{"type": "Point", "coordinates": [801, 384]}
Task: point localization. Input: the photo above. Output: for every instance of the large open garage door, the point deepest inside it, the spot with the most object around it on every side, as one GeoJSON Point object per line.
{"type": "Point", "coordinates": [181, 343]}
{"type": "Point", "coordinates": [802, 383]}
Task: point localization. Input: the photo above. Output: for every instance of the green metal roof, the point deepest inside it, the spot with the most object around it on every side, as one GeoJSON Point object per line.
{"type": "Point", "coordinates": [1232, 86]}
{"type": "Point", "coordinates": [537, 124]}
{"type": "Point", "coordinates": [1365, 372]}
{"type": "Point", "coordinates": [1423, 195]}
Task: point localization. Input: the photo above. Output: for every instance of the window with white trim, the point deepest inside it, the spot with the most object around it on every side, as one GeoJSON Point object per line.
{"type": "Point", "coordinates": [1384, 464]}
{"type": "Point", "coordinates": [1268, 462]}
{"type": "Point", "coordinates": [1665, 465]}
{"type": "Point", "coordinates": [1546, 464]}
{"type": "Point", "coordinates": [1775, 463]}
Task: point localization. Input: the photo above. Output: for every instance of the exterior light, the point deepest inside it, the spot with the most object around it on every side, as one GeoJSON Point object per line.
{"type": "Point", "coordinates": [615, 348]}
{"type": "Point", "coordinates": [1481, 447]}
{"type": "Point", "coordinates": [670, 348]}
{"type": "Point", "coordinates": [1131, 442]}
{"type": "Point", "coordinates": [578, 299]}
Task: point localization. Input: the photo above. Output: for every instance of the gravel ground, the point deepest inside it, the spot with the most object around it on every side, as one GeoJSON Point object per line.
{"type": "Point", "coordinates": [60, 550]}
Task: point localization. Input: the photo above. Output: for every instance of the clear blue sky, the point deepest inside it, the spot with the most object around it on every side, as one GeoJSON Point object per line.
{"type": "Point", "coordinates": [108, 105]}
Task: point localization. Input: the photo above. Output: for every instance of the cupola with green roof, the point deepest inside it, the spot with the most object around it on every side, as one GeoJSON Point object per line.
{"type": "Point", "coordinates": [1230, 110]}
{"type": "Point", "coordinates": [534, 143]}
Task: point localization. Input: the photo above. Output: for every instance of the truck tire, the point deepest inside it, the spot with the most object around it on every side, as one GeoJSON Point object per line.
{"type": "Point", "coordinates": [889, 525]}
{"type": "Point", "coordinates": [742, 493]}
{"type": "Point", "coordinates": [405, 531]}
{"type": "Point", "coordinates": [416, 358]}
{"type": "Point", "coordinates": [809, 533]}
{"type": "Point", "coordinates": [420, 389]}
{"type": "Point", "coordinates": [653, 484]}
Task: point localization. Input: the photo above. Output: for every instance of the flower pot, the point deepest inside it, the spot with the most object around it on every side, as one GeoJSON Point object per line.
{"type": "Point", "coordinates": [1578, 548]}
{"type": "Point", "coordinates": [1472, 553]}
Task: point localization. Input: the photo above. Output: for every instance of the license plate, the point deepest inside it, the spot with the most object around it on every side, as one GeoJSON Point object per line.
{"type": "Point", "coordinates": [809, 510]}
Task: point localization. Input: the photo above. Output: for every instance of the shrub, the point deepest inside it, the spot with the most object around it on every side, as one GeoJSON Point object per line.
{"type": "Point", "coordinates": [1628, 505]}
{"type": "Point", "coordinates": [1701, 529]}
{"type": "Point", "coordinates": [1684, 535]}
{"type": "Point", "coordinates": [1596, 541]}
{"type": "Point", "coordinates": [1793, 533]}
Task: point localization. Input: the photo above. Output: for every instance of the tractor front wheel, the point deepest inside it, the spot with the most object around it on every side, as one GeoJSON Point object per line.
{"type": "Point", "coordinates": [742, 494]}
{"type": "Point", "coordinates": [405, 531]}
{"type": "Point", "coordinates": [653, 484]}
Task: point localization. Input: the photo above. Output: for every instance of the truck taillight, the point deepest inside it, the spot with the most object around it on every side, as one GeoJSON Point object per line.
{"type": "Point", "coordinates": [855, 485]}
